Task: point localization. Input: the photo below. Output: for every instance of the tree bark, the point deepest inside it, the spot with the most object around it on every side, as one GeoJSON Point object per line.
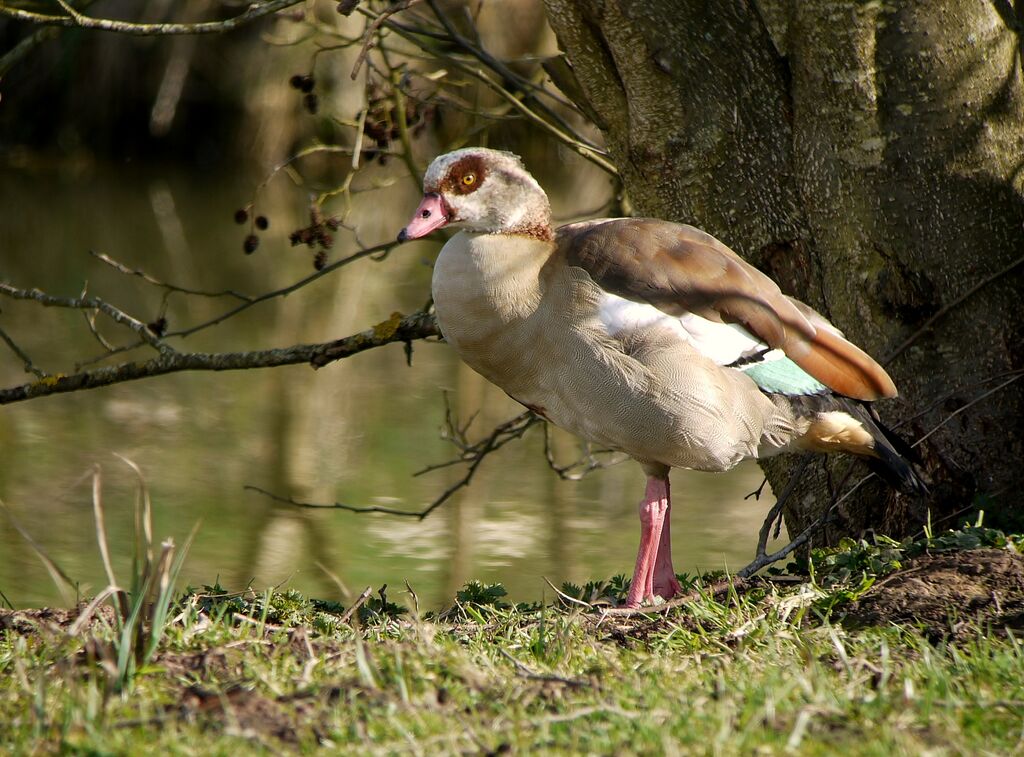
{"type": "Point", "coordinates": [870, 157]}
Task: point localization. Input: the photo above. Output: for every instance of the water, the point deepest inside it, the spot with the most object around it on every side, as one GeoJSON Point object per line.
{"type": "Point", "coordinates": [354, 432]}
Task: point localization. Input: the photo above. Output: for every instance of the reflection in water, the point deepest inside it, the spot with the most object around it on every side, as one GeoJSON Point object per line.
{"type": "Point", "coordinates": [353, 432]}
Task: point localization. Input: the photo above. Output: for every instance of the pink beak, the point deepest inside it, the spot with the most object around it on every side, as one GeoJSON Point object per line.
{"type": "Point", "coordinates": [429, 215]}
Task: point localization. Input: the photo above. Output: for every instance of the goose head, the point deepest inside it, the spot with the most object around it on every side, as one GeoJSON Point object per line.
{"type": "Point", "coordinates": [483, 191]}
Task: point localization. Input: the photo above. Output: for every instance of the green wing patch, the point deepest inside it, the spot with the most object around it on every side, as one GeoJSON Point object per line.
{"type": "Point", "coordinates": [783, 376]}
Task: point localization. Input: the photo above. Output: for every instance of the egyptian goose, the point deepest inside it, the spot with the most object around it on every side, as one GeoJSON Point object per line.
{"type": "Point", "coordinates": [640, 335]}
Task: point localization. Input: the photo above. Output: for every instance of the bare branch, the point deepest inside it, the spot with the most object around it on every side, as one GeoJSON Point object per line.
{"type": "Point", "coordinates": [946, 308]}
{"type": "Point", "coordinates": [122, 268]}
{"type": "Point", "coordinates": [90, 321]}
{"type": "Point", "coordinates": [90, 303]}
{"type": "Point", "coordinates": [562, 132]}
{"type": "Point", "coordinates": [372, 28]}
{"type": "Point", "coordinates": [942, 398]}
{"type": "Point", "coordinates": [29, 365]}
{"type": "Point", "coordinates": [71, 11]}
{"type": "Point", "coordinates": [973, 402]}
{"type": "Point", "coordinates": [764, 560]}
{"type": "Point", "coordinates": [507, 74]}
{"type": "Point", "coordinates": [75, 19]}
{"type": "Point", "coordinates": [25, 47]}
{"type": "Point", "coordinates": [284, 291]}
{"type": "Point", "coordinates": [502, 434]}
{"type": "Point", "coordinates": [335, 505]}
{"type": "Point", "coordinates": [378, 252]}
{"type": "Point", "coordinates": [29, 43]}
{"type": "Point", "coordinates": [347, 615]}
{"type": "Point", "coordinates": [594, 155]}
{"type": "Point", "coordinates": [775, 514]}
{"type": "Point", "coordinates": [418, 325]}
{"type": "Point", "coordinates": [584, 465]}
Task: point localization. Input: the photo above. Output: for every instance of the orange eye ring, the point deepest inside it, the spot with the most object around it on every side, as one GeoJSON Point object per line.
{"type": "Point", "coordinates": [469, 179]}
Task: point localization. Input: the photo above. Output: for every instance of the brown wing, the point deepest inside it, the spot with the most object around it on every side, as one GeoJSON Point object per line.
{"type": "Point", "coordinates": [680, 269]}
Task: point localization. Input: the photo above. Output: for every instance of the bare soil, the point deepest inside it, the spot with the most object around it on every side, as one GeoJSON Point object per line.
{"type": "Point", "coordinates": [945, 593]}
{"type": "Point", "coordinates": [43, 619]}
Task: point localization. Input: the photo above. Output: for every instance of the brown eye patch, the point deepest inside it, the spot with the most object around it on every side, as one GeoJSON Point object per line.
{"type": "Point", "coordinates": [465, 175]}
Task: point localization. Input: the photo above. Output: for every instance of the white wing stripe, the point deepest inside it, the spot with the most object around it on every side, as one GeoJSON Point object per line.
{"type": "Point", "coordinates": [724, 343]}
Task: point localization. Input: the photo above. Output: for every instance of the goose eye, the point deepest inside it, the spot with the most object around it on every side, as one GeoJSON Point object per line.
{"type": "Point", "coordinates": [469, 179]}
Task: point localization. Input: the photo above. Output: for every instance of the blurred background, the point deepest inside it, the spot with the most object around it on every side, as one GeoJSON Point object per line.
{"type": "Point", "coordinates": [142, 149]}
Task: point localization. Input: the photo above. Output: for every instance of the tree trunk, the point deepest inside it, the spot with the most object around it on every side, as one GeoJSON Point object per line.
{"type": "Point", "coordinates": [868, 156]}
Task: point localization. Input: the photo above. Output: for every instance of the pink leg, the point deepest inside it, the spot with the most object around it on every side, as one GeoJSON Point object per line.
{"type": "Point", "coordinates": [653, 509]}
{"type": "Point", "coordinates": [666, 585]}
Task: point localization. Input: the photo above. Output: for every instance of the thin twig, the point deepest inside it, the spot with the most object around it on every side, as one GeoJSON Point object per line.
{"type": "Point", "coordinates": [333, 505]}
{"type": "Point", "coordinates": [356, 605]}
{"type": "Point", "coordinates": [256, 10]}
{"type": "Point", "coordinates": [90, 303]}
{"type": "Point", "coordinates": [946, 308]}
{"type": "Point", "coordinates": [285, 291]}
{"type": "Point", "coordinates": [71, 11]}
{"type": "Point", "coordinates": [776, 511]}
{"type": "Point", "coordinates": [803, 538]}
{"type": "Point", "coordinates": [499, 437]}
{"type": "Point", "coordinates": [726, 584]}
{"type": "Point", "coordinates": [594, 155]}
{"type": "Point", "coordinates": [953, 393]}
{"type": "Point", "coordinates": [249, 302]}
{"type": "Point", "coordinates": [372, 28]}
{"type": "Point", "coordinates": [566, 598]}
{"type": "Point", "coordinates": [402, 122]}
{"type": "Point", "coordinates": [506, 73]}
{"type": "Point", "coordinates": [25, 47]}
{"type": "Point", "coordinates": [756, 494]}
{"type": "Point", "coordinates": [30, 367]}
{"type": "Point", "coordinates": [970, 404]}
{"type": "Point", "coordinates": [580, 468]}
{"type": "Point", "coordinates": [21, 50]}
{"type": "Point", "coordinates": [90, 322]}
{"type": "Point", "coordinates": [563, 132]}
{"type": "Point", "coordinates": [122, 268]}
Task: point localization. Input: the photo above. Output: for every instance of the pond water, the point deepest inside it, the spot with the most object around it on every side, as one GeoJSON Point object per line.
{"type": "Point", "coordinates": [355, 431]}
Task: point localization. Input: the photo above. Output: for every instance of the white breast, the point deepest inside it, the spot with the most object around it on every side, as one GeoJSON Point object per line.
{"type": "Point", "coordinates": [486, 291]}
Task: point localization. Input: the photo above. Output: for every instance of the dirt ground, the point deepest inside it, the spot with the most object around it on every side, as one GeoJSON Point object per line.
{"type": "Point", "coordinates": [944, 593]}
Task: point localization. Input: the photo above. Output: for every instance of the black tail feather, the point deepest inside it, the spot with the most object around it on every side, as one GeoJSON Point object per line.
{"type": "Point", "coordinates": [896, 463]}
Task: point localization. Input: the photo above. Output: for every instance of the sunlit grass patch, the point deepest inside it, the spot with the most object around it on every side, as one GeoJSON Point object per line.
{"type": "Point", "coordinates": [779, 663]}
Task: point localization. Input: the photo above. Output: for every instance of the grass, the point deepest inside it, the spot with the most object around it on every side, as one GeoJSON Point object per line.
{"type": "Point", "coordinates": [757, 672]}
{"type": "Point", "coordinates": [781, 666]}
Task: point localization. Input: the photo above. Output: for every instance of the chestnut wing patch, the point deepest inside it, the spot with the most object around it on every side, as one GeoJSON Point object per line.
{"type": "Point", "coordinates": [681, 270]}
